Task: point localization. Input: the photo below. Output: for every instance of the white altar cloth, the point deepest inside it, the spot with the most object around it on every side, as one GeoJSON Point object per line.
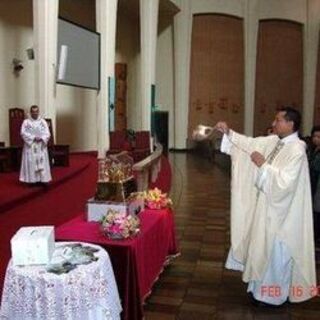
{"type": "Point", "coordinates": [87, 292]}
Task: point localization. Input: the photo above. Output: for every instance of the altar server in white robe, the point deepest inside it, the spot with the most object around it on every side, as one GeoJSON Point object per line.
{"type": "Point", "coordinates": [271, 212]}
{"type": "Point", "coordinates": [35, 133]}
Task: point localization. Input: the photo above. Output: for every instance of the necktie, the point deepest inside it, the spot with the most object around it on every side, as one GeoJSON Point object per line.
{"type": "Point", "coordinates": [275, 151]}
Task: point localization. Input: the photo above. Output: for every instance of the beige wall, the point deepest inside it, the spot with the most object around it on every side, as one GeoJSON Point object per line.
{"type": "Point", "coordinates": [15, 37]}
{"type": "Point", "coordinates": [76, 116]}
{"type": "Point", "coordinates": [295, 10]}
{"type": "Point", "coordinates": [231, 7]}
{"type": "Point", "coordinates": [76, 107]}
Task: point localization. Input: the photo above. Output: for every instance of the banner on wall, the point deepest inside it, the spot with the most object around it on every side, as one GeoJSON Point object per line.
{"type": "Point", "coordinates": [111, 103]}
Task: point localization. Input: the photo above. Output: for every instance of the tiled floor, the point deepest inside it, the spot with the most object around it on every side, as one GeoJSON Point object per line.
{"type": "Point", "coordinates": [196, 285]}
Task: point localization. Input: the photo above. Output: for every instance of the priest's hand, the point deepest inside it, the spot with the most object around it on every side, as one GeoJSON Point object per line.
{"type": "Point", "coordinates": [222, 127]}
{"type": "Point", "coordinates": [257, 158]}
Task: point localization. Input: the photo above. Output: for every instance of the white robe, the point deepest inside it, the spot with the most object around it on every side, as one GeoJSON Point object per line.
{"type": "Point", "coordinates": [35, 165]}
{"type": "Point", "coordinates": [271, 217]}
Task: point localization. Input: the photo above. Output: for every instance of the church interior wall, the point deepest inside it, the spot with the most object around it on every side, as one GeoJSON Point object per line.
{"type": "Point", "coordinates": [76, 117]}
{"type": "Point", "coordinates": [230, 7]}
{"type": "Point", "coordinates": [297, 11]}
{"type": "Point", "coordinates": [76, 107]}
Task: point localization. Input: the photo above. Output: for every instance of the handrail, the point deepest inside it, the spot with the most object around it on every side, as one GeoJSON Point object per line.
{"type": "Point", "coordinates": [150, 166]}
{"type": "Point", "coordinates": [148, 161]}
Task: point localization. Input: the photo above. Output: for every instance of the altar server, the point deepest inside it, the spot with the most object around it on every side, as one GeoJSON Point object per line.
{"type": "Point", "coordinates": [271, 212]}
{"type": "Point", "coordinates": [35, 133]}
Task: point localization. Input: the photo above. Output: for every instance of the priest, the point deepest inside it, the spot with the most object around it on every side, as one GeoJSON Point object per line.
{"type": "Point", "coordinates": [35, 133]}
{"type": "Point", "coordinates": [271, 212]}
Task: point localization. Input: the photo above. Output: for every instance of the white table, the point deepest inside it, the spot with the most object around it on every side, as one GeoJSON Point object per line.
{"type": "Point", "coordinates": [87, 292]}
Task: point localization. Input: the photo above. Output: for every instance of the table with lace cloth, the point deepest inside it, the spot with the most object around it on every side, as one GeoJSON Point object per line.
{"type": "Point", "coordinates": [87, 292]}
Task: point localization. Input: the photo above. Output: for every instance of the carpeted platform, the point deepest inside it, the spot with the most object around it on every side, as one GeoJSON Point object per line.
{"type": "Point", "coordinates": [163, 181]}
{"type": "Point", "coordinates": [13, 192]}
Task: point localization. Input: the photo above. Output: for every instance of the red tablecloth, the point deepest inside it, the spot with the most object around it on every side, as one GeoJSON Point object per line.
{"type": "Point", "coordinates": [136, 262]}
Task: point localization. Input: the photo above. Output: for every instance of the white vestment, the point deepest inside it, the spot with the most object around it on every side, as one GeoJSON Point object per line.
{"type": "Point", "coordinates": [271, 218]}
{"type": "Point", "coordinates": [35, 161]}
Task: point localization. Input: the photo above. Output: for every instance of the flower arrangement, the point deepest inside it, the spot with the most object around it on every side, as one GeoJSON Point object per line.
{"type": "Point", "coordinates": [119, 225]}
{"type": "Point", "coordinates": [155, 199]}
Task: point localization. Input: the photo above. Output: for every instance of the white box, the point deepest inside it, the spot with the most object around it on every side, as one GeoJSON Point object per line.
{"type": "Point", "coordinates": [33, 245]}
{"type": "Point", "coordinates": [96, 209]}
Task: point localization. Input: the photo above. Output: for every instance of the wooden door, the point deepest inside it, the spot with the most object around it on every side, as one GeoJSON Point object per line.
{"type": "Point", "coordinates": [217, 71]}
{"type": "Point", "coordinates": [279, 71]}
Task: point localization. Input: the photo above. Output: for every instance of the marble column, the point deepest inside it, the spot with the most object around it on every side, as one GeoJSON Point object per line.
{"type": "Point", "coordinates": [106, 17]}
{"type": "Point", "coordinates": [251, 25]}
{"type": "Point", "coordinates": [311, 45]}
{"type": "Point", "coordinates": [182, 52]}
{"type": "Point", "coordinates": [149, 10]}
{"type": "Point", "coordinates": [45, 30]}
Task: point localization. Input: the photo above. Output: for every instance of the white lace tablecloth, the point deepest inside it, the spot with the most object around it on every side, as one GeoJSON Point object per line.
{"type": "Point", "coordinates": [87, 292]}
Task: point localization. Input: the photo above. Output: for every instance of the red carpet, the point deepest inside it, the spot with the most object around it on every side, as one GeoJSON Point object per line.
{"type": "Point", "coordinates": [13, 192]}
{"type": "Point", "coordinates": [163, 181]}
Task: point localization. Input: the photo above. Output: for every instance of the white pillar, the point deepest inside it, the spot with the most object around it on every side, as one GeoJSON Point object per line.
{"type": "Point", "coordinates": [251, 25]}
{"type": "Point", "coordinates": [45, 27]}
{"type": "Point", "coordinates": [182, 52]}
{"type": "Point", "coordinates": [106, 17]}
{"type": "Point", "coordinates": [311, 37]}
{"type": "Point", "coordinates": [148, 36]}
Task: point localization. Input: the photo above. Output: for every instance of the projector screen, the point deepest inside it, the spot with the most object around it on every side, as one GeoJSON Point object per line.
{"type": "Point", "coordinates": [78, 55]}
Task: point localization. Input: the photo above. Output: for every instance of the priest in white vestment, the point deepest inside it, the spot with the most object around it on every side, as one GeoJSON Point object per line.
{"type": "Point", "coordinates": [35, 133]}
{"type": "Point", "coordinates": [271, 212]}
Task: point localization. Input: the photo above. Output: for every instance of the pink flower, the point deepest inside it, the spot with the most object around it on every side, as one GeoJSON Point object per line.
{"type": "Point", "coordinates": [119, 225]}
{"type": "Point", "coordinates": [115, 229]}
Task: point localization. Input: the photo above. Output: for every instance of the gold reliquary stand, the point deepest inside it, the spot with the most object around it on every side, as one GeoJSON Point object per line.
{"type": "Point", "coordinates": [115, 179]}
